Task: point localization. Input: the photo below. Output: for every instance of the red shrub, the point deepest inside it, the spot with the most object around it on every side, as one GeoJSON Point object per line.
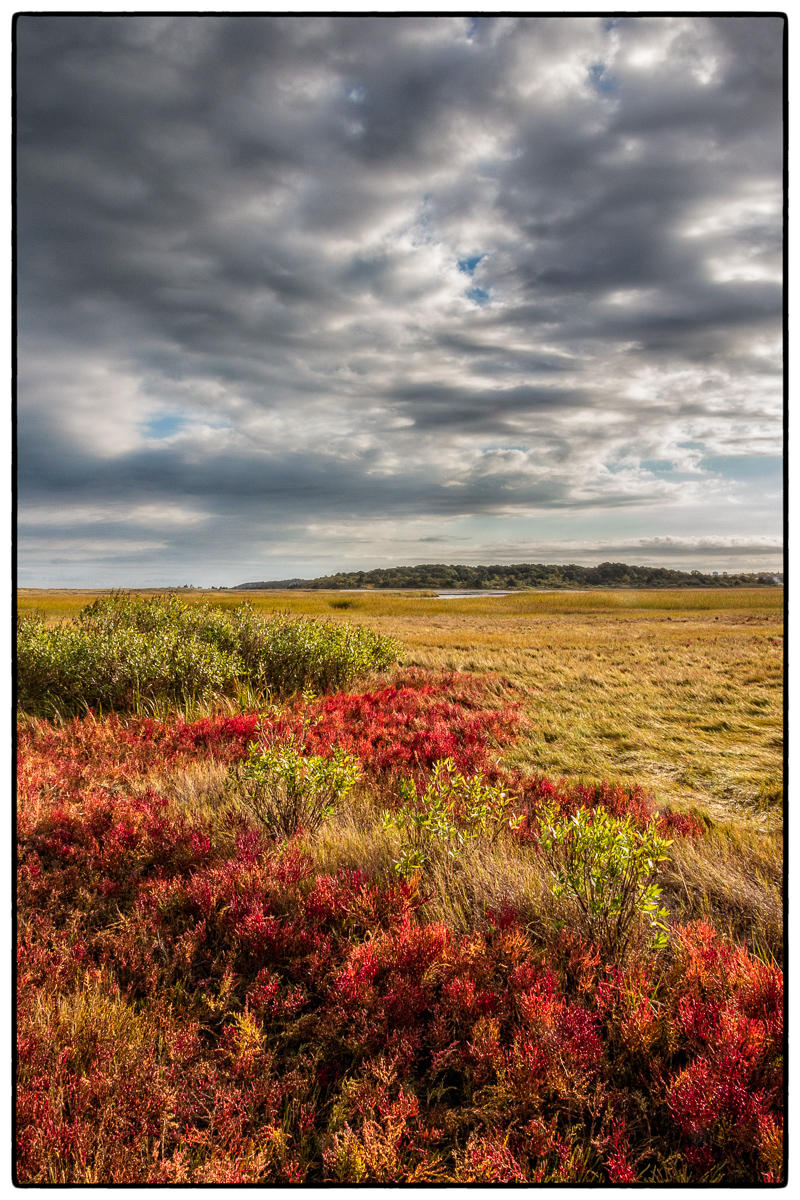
{"type": "Point", "coordinates": [537, 792]}
{"type": "Point", "coordinates": [730, 1017]}
{"type": "Point", "coordinates": [405, 727]}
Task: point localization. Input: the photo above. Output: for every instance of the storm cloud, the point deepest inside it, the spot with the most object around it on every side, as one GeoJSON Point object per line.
{"type": "Point", "coordinates": [306, 293]}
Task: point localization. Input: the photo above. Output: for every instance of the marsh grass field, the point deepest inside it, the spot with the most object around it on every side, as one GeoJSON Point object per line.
{"type": "Point", "coordinates": [680, 691]}
{"type": "Point", "coordinates": [206, 1001]}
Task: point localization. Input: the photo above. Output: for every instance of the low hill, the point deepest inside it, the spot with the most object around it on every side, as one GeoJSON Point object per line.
{"type": "Point", "coordinates": [520, 575]}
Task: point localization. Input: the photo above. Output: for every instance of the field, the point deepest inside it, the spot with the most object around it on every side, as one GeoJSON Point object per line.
{"type": "Point", "coordinates": [403, 991]}
{"type": "Point", "coordinates": [678, 691]}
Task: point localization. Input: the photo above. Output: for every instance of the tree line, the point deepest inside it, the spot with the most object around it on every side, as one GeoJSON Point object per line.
{"type": "Point", "coordinates": [522, 575]}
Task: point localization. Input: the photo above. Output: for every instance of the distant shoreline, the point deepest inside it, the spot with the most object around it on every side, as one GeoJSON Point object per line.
{"type": "Point", "coordinates": [517, 577]}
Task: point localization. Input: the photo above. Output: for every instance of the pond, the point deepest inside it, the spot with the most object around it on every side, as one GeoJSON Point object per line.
{"type": "Point", "coordinates": [467, 595]}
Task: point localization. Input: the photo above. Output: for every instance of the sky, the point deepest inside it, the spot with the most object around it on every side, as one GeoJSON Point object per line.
{"type": "Point", "coordinates": [298, 295]}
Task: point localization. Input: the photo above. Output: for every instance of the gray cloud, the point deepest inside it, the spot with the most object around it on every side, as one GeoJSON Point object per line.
{"type": "Point", "coordinates": [407, 270]}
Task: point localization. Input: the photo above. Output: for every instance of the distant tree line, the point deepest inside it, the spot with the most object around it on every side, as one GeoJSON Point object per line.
{"type": "Point", "coordinates": [522, 575]}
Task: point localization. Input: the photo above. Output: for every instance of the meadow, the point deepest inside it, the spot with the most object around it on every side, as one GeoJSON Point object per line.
{"type": "Point", "coordinates": [505, 909]}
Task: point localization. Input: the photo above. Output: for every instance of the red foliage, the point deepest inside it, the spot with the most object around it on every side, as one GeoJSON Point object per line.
{"type": "Point", "coordinates": [538, 791]}
{"type": "Point", "coordinates": [197, 1004]}
{"type": "Point", "coordinates": [407, 726]}
{"type": "Point", "coordinates": [730, 1016]}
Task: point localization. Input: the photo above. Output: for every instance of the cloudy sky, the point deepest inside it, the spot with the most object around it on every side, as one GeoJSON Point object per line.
{"type": "Point", "coordinates": [298, 295]}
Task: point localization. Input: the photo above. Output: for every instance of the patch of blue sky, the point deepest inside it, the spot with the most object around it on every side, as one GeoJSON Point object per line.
{"type": "Point", "coordinates": [468, 265]}
{"type": "Point", "coordinates": [744, 466]}
{"type": "Point", "coordinates": [164, 425]}
{"type": "Point", "coordinates": [602, 81]}
{"type": "Point", "coordinates": [478, 295]}
{"type": "Point", "coordinates": [658, 466]}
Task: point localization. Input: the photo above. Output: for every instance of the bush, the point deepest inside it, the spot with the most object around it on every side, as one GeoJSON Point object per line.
{"type": "Point", "coordinates": [286, 790]}
{"type": "Point", "coordinates": [452, 809]}
{"type": "Point", "coordinates": [125, 650]}
{"type": "Point", "coordinates": [288, 654]}
{"type": "Point", "coordinates": [606, 866]}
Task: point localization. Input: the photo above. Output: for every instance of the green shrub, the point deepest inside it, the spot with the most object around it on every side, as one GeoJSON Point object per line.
{"type": "Point", "coordinates": [287, 790]}
{"type": "Point", "coordinates": [453, 809]}
{"type": "Point", "coordinates": [125, 650]}
{"type": "Point", "coordinates": [606, 866]}
{"type": "Point", "coordinates": [287, 654]}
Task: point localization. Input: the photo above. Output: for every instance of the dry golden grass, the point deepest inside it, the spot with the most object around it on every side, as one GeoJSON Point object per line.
{"type": "Point", "coordinates": [686, 701]}
{"type": "Point", "coordinates": [731, 877]}
{"type": "Point", "coordinates": [198, 786]}
{"type": "Point", "coordinates": [734, 878]}
{"type": "Point", "coordinates": [56, 603]}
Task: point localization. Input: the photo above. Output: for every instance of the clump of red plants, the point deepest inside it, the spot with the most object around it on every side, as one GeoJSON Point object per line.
{"type": "Point", "coordinates": [198, 1004]}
